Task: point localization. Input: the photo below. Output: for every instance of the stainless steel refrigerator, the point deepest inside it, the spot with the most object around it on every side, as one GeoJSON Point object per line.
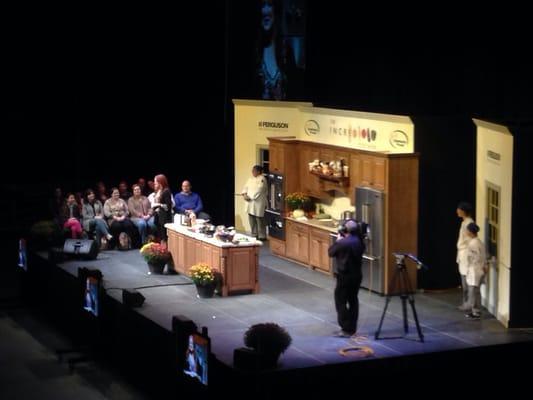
{"type": "Point", "coordinates": [369, 208]}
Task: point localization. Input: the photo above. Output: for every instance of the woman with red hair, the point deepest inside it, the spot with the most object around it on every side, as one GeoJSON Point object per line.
{"type": "Point", "coordinates": [162, 206]}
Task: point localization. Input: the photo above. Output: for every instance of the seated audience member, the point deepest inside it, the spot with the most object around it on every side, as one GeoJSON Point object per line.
{"type": "Point", "coordinates": [56, 206]}
{"type": "Point", "coordinates": [188, 202]}
{"type": "Point", "coordinates": [123, 191]}
{"type": "Point", "coordinates": [70, 216]}
{"type": "Point", "coordinates": [116, 212]}
{"type": "Point", "coordinates": [141, 212]}
{"type": "Point", "coordinates": [101, 192]}
{"type": "Point", "coordinates": [93, 217]}
{"type": "Point", "coordinates": [145, 190]}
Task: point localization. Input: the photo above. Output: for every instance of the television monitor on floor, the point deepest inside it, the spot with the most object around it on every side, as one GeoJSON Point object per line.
{"type": "Point", "coordinates": [197, 357]}
{"type": "Point", "coordinates": [91, 286]}
{"type": "Point", "coordinates": [23, 255]}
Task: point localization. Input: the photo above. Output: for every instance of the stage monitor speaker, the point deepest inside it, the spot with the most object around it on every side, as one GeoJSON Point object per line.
{"type": "Point", "coordinates": [84, 248]}
{"type": "Point", "coordinates": [132, 298]}
{"type": "Point", "coordinates": [247, 359]}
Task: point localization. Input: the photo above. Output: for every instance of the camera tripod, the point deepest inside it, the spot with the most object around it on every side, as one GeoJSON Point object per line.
{"type": "Point", "coordinates": [405, 292]}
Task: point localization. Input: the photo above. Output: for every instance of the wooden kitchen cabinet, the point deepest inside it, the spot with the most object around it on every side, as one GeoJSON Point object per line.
{"type": "Point", "coordinates": [372, 172]}
{"type": "Point", "coordinates": [277, 246]}
{"type": "Point", "coordinates": [318, 250]}
{"type": "Point", "coordinates": [297, 242]}
{"type": "Point", "coordinates": [331, 154]}
{"type": "Point", "coordinates": [284, 160]}
{"type": "Point", "coordinates": [308, 245]}
{"type": "Point", "coordinates": [396, 175]}
{"type": "Point", "coordinates": [237, 264]}
{"type": "Point", "coordinates": [309, 184]}
{"type": "Point", "coordinates": [276, 154]}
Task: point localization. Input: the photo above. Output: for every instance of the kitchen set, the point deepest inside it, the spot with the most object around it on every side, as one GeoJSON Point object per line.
{"type": "Point", "coordinates": [381, 187]}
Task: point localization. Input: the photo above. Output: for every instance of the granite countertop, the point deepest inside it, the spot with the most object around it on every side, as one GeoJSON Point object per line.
{"type": "Point", "coordinates": [327, 225]}
{"type": "Point", "coordinates": [248, 240]}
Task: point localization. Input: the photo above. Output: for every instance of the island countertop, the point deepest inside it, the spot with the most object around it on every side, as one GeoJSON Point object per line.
{"type": "Point", "coordinates": [237, 264]}
{"type": "Point", "coordinates": [244, 240]}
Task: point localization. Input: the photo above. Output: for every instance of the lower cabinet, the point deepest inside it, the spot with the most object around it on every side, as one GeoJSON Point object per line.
{"type": "Point", "coordinates": [318, 250]}
{"type": "Point", "coordinates": [308, 245]}
{"type": "Point", "coordinates": [277, 246]}
{"type": "Point", "coordinates": [238, 264]}
{"type": "Point", "coordinates": [297, 245]}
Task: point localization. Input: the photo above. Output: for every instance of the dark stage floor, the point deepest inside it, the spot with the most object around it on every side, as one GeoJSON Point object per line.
{"type": "Point", "coordinates": [301, 300]}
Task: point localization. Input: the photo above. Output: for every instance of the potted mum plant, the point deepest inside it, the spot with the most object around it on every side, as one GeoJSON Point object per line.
{"type": "Point", "coordinates": [156, 255]}
{"type": "Point", "coordinates": [268, 339]}
{"type": "Point", "coordinates": [204, 277]}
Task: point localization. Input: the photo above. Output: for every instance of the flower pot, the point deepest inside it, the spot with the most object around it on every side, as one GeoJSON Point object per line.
{"type": "Point", "coordinates": [206, 291]}
{"type": "Point", "coordinates": [156, 267]}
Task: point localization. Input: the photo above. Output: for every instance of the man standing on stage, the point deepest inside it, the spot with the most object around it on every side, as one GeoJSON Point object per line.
{"type": "Point", "coordinates": [348, 251]}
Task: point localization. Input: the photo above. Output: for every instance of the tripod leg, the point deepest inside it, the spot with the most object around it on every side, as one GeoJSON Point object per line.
{"type": "Point", "coordinates": [404, 312]}
{"type": "Point", "coordinates": [387, 300]}
{"type": "Point", "coordinates": [412, 302]}
{"type": "Point", "coordinates": [411, 297]}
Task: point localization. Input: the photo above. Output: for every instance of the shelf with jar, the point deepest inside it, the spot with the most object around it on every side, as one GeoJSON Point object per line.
{"type": "Point", "coordinates": [340, 180]}
{"type": "Point", "coordinates": [333, 171]}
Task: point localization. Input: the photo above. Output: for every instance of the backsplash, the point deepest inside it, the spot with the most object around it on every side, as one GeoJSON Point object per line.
{"type": "Point", "coordinates": [337, 206]}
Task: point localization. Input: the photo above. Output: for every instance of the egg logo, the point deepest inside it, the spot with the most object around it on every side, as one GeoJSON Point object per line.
{"type": "Point", "coordinates": [398, 138]}
{"type": "Point", "coordinates": [311, 127]}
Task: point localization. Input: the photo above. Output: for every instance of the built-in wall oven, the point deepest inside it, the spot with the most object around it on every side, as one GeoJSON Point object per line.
{"type": "Point", "coordinates": [275, 224]}
{"type": "Point", "coordinates": [275, 206]}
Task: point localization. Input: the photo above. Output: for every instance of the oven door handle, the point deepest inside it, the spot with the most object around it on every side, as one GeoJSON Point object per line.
{"type": "Point", "coordinates": [273, 212]}
{"type": "Point", "coordinates": [370, 258]}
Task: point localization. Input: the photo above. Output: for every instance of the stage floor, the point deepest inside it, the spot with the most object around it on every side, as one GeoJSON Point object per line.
{"type": "Point", "coordinates": [301, 300]}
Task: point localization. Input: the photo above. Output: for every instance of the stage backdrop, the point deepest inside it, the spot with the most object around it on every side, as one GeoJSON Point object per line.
{"type": "Point", "coordinates": [494, 190]}
{"type": "Point", "coordinates": [256, 120]}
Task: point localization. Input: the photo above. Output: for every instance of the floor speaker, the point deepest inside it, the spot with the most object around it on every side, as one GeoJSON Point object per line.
{"type": "Point", "coordinates": [247, 359]}
{"type": "Point", "coordinates": [132, 298]}
{"type": "Point", "coordinates": [83, 248]}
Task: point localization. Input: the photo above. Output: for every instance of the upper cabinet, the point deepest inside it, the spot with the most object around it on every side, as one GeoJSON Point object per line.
{"type": "Point", "coordinates": [372, 172]}
{"type": "Point", "coordinates": [276, 157]}
{"type": "Point", "coordinates": [309, 184]}
{"type": "Point", "coordinates": [284, 160]}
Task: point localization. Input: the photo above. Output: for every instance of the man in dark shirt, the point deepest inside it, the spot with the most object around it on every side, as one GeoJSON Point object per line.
{"type": "Point", "coordinates": [348, 251]}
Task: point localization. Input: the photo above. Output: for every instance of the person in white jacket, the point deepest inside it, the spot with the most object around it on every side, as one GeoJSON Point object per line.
{"type": "Point", "coordinates": [476, 269]}
{"type": "Point", "coordinates": [255, 195]}
{"type": "Point", "coordinates": [464, 211]}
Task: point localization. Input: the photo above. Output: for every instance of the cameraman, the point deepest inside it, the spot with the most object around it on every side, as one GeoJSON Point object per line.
{"type": "Point", "coordinates": [348, 251]}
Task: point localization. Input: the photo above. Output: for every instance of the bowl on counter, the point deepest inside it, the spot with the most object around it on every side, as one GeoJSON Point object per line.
{"type": "Point", "coordinates": [224, 236]}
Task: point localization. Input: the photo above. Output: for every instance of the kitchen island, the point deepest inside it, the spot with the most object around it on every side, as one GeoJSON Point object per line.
{"type": "Point", "coordinates": [237, 263]}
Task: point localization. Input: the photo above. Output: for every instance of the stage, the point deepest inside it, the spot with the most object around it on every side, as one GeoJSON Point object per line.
{"type": "Point", "coordinates": [300, 300]}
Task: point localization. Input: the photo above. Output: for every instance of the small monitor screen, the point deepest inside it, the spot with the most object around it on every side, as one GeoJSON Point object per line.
{"type": "Point", "coordinates": [23, 256]}
{"type": "Point", "coordinates": [196, 358]}
{"type": "Point", "coordinates": [91, 295]}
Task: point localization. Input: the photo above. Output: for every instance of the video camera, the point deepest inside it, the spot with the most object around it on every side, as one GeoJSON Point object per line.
{"type": "Point", "coordinates": [351, 226]}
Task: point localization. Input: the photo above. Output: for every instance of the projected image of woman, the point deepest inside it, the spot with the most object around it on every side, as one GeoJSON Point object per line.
{"type": "Point", "coordinates": [270, 53]}
{"type": "Point", "coordinates": [279, 72]}
{"type": "Point", "coordinates": [193, 367]}
{"type": "Point", "coordinates": [91, 297]}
